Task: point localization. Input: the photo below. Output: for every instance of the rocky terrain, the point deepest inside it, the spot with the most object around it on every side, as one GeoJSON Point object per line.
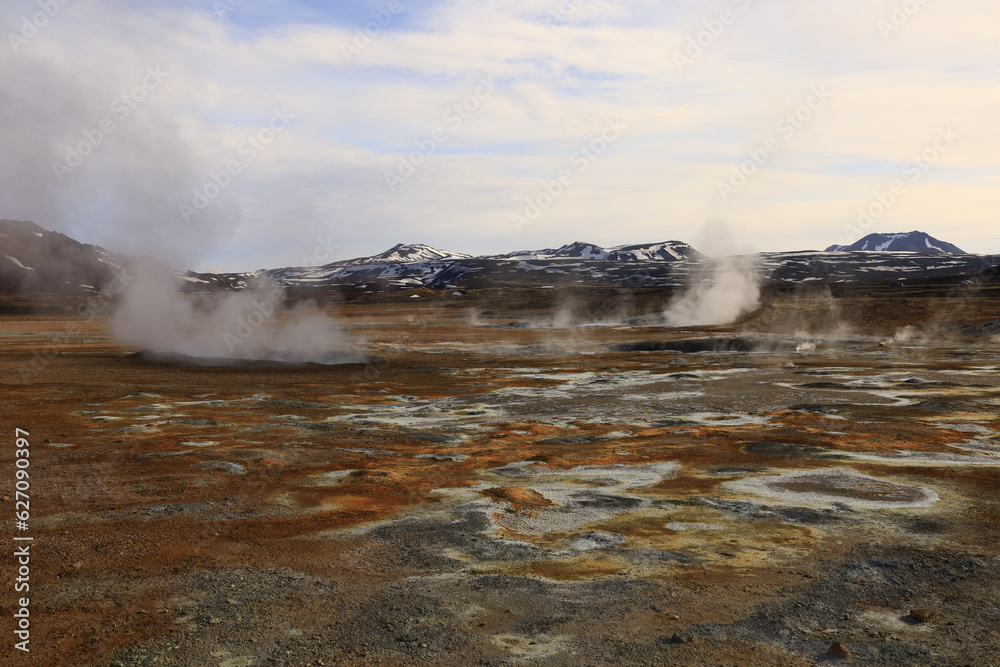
{"type": "Point", "coordinates": [501, 486]}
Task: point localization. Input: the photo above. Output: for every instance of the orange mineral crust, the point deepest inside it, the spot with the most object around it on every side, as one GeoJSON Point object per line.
{"type": "Point", "coordinates": [491, 494]}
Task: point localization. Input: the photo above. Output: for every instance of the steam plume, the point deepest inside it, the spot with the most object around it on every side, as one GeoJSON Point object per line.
{"type": "Point", "coordinates": [253, 324]}
{"type": "Point", "coordinates": [725, 289]}
{"type": "Point", "coordinates": [107, 150]}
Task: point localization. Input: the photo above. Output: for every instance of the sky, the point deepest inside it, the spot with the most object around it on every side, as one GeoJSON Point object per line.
{"type": "Point", "coordinates": [238, 135]}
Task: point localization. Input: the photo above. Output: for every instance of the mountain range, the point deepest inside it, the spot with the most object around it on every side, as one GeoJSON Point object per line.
{"type": "Point", "coordinates": [901, 242]}
{"type": "Point", "coordinates": [418, 252]}
{"type": "Point", "coordinates": [33, 259]}
{"type": "Point", "coordinates": [665, 251]}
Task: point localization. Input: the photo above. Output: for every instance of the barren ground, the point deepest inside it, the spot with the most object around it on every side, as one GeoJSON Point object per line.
{"type": "Point", "coordinates": [486, 494]}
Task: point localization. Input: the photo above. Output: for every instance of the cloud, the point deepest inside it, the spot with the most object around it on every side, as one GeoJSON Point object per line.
{"type": "Point", "coordinates": [559, 77]}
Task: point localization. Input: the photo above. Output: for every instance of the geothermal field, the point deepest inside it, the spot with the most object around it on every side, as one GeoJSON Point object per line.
{"type": "Point", "coordinates": [482, 333]}
{"type": "Point", "coordinates": [536, 477]}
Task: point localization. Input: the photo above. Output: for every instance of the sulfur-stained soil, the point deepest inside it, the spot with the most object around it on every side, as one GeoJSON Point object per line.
{"type": "Point", "coordinates": [496, 488]}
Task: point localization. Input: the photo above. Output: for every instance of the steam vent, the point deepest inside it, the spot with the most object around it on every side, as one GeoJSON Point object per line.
{"type": "Point", "coordinates": [520, 333]}
{"type": "Point", "coordinates": [543, 480]}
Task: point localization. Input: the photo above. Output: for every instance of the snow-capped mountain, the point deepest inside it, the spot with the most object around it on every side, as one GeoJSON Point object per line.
{"type": "Point", "coordinates": [575, 250]}
{"type": "Point", "coordinates": [405, 253]}
{"type": "Point", "coordinates": [668, 250]}
{"type": "Point", "coordinates": [665, 251]}
{"type": "Point", "coordinates": [402, 264]}
{"type": "Point", "coordinates": [421, 265]}
{"type": "Point", "coordinates": [33, 259]}
{"type": "Point", "coordinates": [902, 242]}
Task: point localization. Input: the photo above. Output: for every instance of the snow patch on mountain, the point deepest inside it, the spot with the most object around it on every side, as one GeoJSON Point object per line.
{"type": "Point", "coordinates": [664, 251]}
{"type": "Point", "coordinates": [409, 252]}
{"type": "Point", "coordinates": [16, 261]}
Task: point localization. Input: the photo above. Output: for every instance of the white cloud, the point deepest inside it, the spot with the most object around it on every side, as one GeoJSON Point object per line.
{"type": "Point", "coordinates": [557, 82]}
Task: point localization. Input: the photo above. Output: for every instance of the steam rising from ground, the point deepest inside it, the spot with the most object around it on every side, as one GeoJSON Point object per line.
{"type": "Point", "coordinates": [811, 315]}
{"type": "Point", "coordinates": [569, 312]}
{"type": "Point", "coordinates": [107, 151]}
{"type": "Point", "coordinates": [907, 334]}
{"type": "Point", "coordinates": [250, 324]}
{"type": "Point", "coordinates": [724, 289]}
